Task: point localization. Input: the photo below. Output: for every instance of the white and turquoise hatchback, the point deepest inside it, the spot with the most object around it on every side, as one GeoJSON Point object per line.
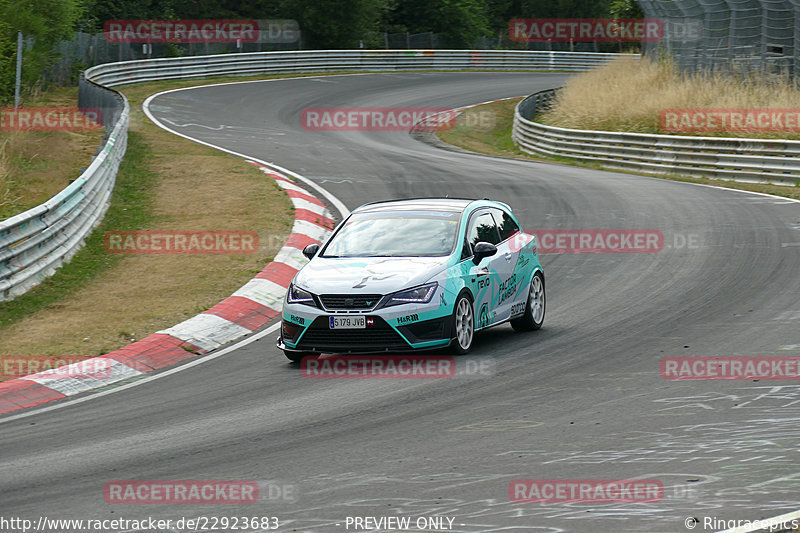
{"type": "Point", "coordinates": [412, 275]}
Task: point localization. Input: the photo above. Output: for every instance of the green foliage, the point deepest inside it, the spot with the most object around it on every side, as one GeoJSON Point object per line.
{"type": "Point", "coordinates": [458, 22]}
{"type": "Point", "coordinates": [324, 23]}
{"type": "Point", "coordinates": [75, 70]}
{"type": "Point", "coordinates": [336, 23]}
{"type": "Point", "coordinates": [626, 9]}
{"type": "Point", "coordinates": [42, 22]}
{"type": "Point", "coordinates": [173, 50]}
{"type": "Point", "coordinates": [8, 56]}
{"type": "Point", "coordinates": [558, 9]}
{"type": "Point", "coordinates": [345, 23]}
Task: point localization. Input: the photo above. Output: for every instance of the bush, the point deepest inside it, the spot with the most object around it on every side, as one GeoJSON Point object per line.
{"type": "Point", "coordinates": [44, 23]}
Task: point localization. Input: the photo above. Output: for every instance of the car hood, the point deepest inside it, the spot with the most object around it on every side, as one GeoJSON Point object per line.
{"type": "Point", "coordinates": [367, 275]}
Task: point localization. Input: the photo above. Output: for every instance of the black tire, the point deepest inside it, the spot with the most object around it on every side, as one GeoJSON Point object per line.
{"type": "Point", "coordinates": [463, 324]}
{"type": "Point", "coordinates": [534, 308]}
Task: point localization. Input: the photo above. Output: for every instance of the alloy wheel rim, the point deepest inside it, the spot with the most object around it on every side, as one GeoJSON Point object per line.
{"type": "Point", "coordinates": [536, 299]}
{"type": "Point", "coordinates": [464, 323]}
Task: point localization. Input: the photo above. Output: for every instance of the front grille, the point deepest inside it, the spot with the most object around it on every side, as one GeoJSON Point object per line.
{"type": "Point", "coordinates": [349, 301]}
{"type": "Point", "coordinates": [378, 337]}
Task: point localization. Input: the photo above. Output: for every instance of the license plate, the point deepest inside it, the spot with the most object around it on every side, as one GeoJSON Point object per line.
{"type": "Point", "coordinates": [347, 322]}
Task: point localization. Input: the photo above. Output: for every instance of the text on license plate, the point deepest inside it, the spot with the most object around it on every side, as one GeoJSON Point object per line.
{"type": "Point", "coordinates": [347, 322]}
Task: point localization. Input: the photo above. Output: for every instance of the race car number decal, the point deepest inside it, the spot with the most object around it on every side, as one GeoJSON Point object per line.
{"type": "Point", "coordinates": [517, 309]}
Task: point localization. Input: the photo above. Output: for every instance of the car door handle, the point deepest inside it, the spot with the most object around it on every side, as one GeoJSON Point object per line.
{"type": "Point", "coordinates": [508, 256]}
{"type": "Point", "coordinates": [482, 272]}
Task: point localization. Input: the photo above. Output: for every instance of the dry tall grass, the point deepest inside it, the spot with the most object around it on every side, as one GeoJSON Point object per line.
{"type": "Point", "coordinates": [7, 198]}
{"type": "Point", "coordinates": [629, 95]}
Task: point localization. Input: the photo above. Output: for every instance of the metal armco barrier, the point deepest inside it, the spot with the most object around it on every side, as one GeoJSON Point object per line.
{"type": "Point", "coordinates": [343, 60]}
{"type": "Point", "coordinates": [34, 243]}
{"type": "Point", "coordinates": [750, 160]}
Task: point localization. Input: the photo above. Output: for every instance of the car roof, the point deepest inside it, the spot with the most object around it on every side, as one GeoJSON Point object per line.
{"type": "Point", "coordinates": [424, 204]}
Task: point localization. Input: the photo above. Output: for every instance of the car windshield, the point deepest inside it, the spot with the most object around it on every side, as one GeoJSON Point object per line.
{"type": "Point", "coordinates": [397, 234]}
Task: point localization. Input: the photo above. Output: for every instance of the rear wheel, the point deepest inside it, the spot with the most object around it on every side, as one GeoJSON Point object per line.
{"type": "Point", "coordinates": [464, 323]}
{"type": "Point", "coordinates": [534, 308]}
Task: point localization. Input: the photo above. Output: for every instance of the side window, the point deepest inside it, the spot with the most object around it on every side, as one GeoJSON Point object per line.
{"type": "Point", "coordinates": [466, 252]}
{"type": "Point", "coordinates": [507, 226]}
{"type": "Point", "coordinates": [483, 229]}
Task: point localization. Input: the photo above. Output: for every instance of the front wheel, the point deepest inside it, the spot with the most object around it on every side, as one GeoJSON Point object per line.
{"type": "Point", "coordinates": [464, 323]}
{"type": "Point", "coordinates": [534, 308]}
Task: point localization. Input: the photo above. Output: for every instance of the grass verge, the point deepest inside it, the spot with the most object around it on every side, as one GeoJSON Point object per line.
{"type": "Point", "coordinates": [485, 129]}
{"type": "Point", "coordinates": [102, 301]}
{"type": "Point", "coordinates": [132, 189]}
{"type": "Point", "coordinates": [629, 95]}
{"type": "Point", "coordinates": [35, 165]}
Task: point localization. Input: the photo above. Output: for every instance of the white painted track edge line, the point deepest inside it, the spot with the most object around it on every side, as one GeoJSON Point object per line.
{"type": "Point", "coordinates": [334, 201]}
{"type": "Point", "coordinates": [338, 204]}
{"type": "Point", "coordinates": [140, 381]}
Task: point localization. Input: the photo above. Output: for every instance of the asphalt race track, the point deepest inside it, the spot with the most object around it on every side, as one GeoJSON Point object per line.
{"type": "Point", "coordinates": [581, 399]}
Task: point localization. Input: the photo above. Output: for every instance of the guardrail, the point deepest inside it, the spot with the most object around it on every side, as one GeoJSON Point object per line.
{"type": "Point", "coordinates": [750, 160]}
{"type": "Point", "coordinates": [336, 60]}
{"type": "Point", "coordinates": [34, 243]}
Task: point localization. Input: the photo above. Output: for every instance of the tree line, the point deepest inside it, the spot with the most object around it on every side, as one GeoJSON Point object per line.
{"type": "Point", "coordinates": [324, 23]}
{"type": "Point", "coordinates": [345, 23]}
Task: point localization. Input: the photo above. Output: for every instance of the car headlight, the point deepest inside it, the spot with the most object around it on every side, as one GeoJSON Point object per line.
{"type": "Point", "coordinates": [417, 295]}
{"type": "Point", "coordinates": [296, 295]}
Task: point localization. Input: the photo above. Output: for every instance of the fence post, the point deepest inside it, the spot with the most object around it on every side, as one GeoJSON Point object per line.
{"type": "Point", "coordinates": [19, 70]}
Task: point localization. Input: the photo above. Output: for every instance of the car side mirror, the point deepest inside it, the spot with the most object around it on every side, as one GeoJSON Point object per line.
{"type": "Point", "coordinates": [311, 250]}
{"type": "Point", "coordinates": [481, 250]}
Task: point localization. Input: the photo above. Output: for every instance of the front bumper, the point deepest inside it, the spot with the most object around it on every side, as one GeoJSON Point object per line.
{"type": "Point", "coordinates": [379, 336]}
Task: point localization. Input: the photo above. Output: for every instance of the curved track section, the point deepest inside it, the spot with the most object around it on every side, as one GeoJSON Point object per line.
{"type": "Point", "coordinates": [580, 399]}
